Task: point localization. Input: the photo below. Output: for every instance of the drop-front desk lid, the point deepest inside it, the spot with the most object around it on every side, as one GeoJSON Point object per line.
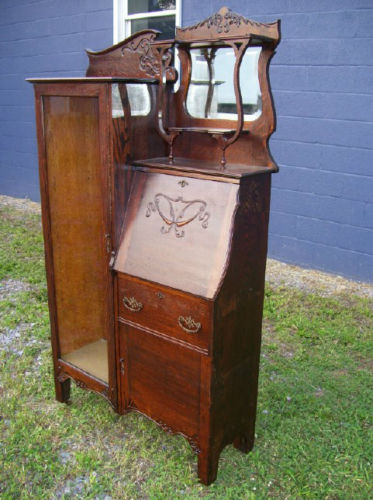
{"type": "Point", "coordinates": [177, 231]}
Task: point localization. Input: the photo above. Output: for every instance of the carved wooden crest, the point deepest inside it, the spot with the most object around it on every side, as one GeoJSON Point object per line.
{"type": "Point", "coordinates": [227, 24]}
{"type": "Point", "coordinates": [134, 57]}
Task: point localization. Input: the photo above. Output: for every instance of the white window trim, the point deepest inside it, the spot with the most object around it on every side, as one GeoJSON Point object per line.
{"type": "Point", "coordinates": [121, 19]}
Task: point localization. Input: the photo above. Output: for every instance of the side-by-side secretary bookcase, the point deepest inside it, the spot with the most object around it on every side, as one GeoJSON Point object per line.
{"type": "Point", "coordinates": [155, 206]}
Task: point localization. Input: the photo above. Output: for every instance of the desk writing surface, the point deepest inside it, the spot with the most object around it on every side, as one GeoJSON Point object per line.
{"type": "Point", "coordinates": [177, 231]}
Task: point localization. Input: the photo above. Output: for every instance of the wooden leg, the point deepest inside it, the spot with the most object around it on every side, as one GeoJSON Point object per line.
{"type": "Point", "coordinates": [244, 442]}
{"type": "Point", "coordinates": [208, 462]}
{"type": "Point", "coordinates": [63, 390]}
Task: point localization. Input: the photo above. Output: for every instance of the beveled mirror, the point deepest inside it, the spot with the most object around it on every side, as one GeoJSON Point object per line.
{"type": "Point", "coordinates": [211, 89]}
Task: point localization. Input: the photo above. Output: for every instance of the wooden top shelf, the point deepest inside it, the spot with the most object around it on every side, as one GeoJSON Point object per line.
{"type": "Point", "coordinates": [232, 172]}
{"type": "Point", "coordinates": [91, 79]}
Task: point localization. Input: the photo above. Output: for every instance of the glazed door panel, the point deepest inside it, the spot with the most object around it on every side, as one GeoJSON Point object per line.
{"type": "Point", "coordinates": [77, 189]}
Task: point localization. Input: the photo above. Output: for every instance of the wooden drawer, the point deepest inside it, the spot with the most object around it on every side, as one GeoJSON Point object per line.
{"type": "Point", "coordinates": [170, 312]}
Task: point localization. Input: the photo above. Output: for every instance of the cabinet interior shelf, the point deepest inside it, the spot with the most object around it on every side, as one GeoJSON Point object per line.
{"type": "Point", "coordinates": [91, 358]}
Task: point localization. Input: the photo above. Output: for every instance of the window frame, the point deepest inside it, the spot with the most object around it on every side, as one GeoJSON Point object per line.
{"type": "Point", "coordinates": [122, 20]}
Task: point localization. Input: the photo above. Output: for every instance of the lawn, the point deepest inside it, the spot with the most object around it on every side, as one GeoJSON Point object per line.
{"type": "Point", "coordinates": [314, 435]}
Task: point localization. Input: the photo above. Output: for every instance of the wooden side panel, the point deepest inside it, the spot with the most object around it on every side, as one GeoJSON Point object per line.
{"type": "Point", "coordinates": [77, 220]}
{"type": "Point", "coordinates": [133, 137]}
{"type": "Point", "coordinates": [122, 174]}
{"type": "Point", "coordinates": [163, 380]}
{"type": "Point", "coordinates": [238, 320]}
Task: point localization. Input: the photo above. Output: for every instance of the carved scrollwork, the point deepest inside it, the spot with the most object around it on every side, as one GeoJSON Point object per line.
{"type": "Point", "coordinates": [226, 22]}
{"type": "Point", "coordinates": [62, 376]}
{"type": "Point", "coordinates": [138, 56]}
{"type": "Point", "coordinates": [192, 440]}
{"type": "Point", "coordinates": [177, 212]}
{"type": "Point", "coordinates": [104, 392]}
{"type": "Point", "coordinates": [80, 384]}
{"type": "Point", "coordinates": [223, 23]}
{"type": "Point", "coordinates": [149, 63]}
{"type": "Point", "coordinates": [149, 58]}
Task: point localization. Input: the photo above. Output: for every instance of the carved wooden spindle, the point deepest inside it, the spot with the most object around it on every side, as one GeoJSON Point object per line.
{"type": "Point", "coordinates": [165, 56]}
{"type": "Point", "coordinates": [209, 56]}
{"type": "Point", "coordinates": [224, 141]}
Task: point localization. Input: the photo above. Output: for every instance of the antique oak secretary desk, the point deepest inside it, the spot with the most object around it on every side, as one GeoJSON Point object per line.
{"type": "Point", "coordinates": [155, 209]}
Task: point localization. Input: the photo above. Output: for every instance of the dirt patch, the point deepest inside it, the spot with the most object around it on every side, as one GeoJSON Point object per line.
{"type": "Point", "coordinates": [10, 287]}
{"type": "Point", "coordinates": [11, 338]}
{"type": "Point", "coordinates": [364, 363]}
{"type": "Point", "coordinates": [14, 341]}
{"type": "Point", "coordinates": [20, 203]}
{"type": "Point", "coordinates": [311, 281]}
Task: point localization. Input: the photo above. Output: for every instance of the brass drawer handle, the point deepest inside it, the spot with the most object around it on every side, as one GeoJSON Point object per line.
{"type": "Point", "coordinates": [131, 304]}
{"type": "Point", "coordinates": [188, 324]}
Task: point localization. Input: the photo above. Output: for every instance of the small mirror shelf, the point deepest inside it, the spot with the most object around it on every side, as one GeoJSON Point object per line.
{"type": "Point", "coordinates": [224, 91]}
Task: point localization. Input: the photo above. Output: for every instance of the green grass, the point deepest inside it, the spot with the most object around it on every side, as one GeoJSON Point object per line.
{"type": "Point", "coordinates": [314, 435]}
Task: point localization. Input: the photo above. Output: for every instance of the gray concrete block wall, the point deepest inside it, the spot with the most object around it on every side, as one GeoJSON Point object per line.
{"type": "Point", "coordinates": [322, 80]}
{"type": "Point", "coordinates": [40, 38]}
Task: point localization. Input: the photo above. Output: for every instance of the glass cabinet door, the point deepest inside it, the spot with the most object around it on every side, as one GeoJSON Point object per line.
{"type": "Point", "coordinates": [76, 198]}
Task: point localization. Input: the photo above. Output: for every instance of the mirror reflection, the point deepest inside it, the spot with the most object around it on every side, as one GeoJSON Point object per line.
{"type": "Point", "coordinates": [211, 90]}
{"type": "Point", "coordinates": [138, 98]}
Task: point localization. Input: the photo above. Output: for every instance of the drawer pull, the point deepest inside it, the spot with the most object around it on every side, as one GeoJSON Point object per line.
{"type": "Point", "coordinates": [131, 304]}
{"type": "Point", "coordinates": [188, 324]}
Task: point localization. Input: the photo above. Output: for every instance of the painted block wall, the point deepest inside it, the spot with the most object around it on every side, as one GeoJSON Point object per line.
{"type": "Point", "coordinates": [40, 38]}
{"type": "Point", "coordinates": [322, 80]}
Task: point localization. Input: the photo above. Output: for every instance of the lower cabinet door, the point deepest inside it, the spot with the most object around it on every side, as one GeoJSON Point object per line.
{"type": "Point", "coordinates": [161, 379]}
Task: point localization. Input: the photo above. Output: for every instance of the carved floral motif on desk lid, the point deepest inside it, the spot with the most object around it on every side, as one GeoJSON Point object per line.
{"type": "Point", "coordinates": [177, 212]}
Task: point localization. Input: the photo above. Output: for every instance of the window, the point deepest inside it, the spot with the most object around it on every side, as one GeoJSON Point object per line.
{"type": "Point", "coordinates": [135, 15]}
